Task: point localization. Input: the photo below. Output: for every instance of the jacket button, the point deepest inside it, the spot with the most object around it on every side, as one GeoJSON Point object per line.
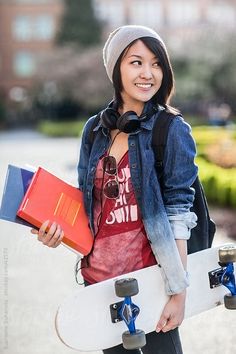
{"type": "Point", "coordinates": [134, 165]}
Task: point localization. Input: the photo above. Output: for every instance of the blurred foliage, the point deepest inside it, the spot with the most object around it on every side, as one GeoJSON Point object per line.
{"type": "Point", "coordinates": [2, 113]}
{"type": "Point", "coordinates": [79, 25]}
{"type": "Point", "coordinates": [216, 148]}
{"type": "Point", "coordinates": [207, 135]}
{"type": "Point", "coordinates": [205, 73]}
{"type": "Point", "coordinates": [223, 153]}
{"type": "Point", "coordinates": [64, 110]}
{"type": "Point", "coordinates": [217, 144]}
{"type": "Point", "coordinates": [83, 79]}
{"type": "Point", "coordinates": [61, 129]}
{"type": "Point", "coordinates": [219, 184]}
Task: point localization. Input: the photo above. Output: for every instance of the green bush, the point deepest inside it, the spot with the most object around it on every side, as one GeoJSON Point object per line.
{"type": "Point", "coordinates": [219, 183]}
{"type": "Point", "coordinates": [2, 114]}
{"type": "Point", "coordinates": [61, 129]}
{"type": "Point", "coordinates": [207, 135]}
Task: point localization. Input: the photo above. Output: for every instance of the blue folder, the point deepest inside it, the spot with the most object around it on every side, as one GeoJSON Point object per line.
{"type": "Point", "coordinates": [16, 183]}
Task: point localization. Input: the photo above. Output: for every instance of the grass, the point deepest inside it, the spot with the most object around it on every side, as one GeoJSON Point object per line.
{"type": "Point", "coordinates": [61, 129]}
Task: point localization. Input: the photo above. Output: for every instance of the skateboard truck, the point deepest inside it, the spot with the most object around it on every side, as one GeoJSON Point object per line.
{"type": "Point", "coordinates": [225, 275]}
{"type": "Point", "coordinates": [127, 311]}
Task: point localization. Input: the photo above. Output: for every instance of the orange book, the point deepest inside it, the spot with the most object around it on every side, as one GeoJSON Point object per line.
{"type": "Point", "coordinates": [50, 198]}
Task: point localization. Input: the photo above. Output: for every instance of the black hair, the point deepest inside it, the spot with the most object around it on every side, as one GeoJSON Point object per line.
{"type": "Point", "coordinates": [165, 92]}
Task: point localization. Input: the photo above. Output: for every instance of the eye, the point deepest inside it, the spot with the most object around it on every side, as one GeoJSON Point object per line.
{"type": "Point", "coordinates": [136, 62]}
{"type": "Point", "coordinates": [156, 64]}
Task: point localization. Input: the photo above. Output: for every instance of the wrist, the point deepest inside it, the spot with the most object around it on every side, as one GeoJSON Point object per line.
{"type": "Point", "coordinates": [181, 295]}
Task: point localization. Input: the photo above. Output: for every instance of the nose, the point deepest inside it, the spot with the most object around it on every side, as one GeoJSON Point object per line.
{"type": "Point", "coordinates": [146, 72]}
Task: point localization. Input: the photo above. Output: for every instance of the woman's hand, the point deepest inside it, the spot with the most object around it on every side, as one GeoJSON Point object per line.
{"type": "Point", "coordinates": [53, 237]}
{"type": "Point", "coordinates": [173, 313]}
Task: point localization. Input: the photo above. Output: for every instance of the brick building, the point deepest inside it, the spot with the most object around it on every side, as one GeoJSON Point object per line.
{"type": "Point", "coordinates": [26, 29]}
{"type": "Point", "coordinates": [168, 14]}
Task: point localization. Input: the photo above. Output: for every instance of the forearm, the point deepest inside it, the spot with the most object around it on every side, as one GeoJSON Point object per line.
{"type": "Point", "coordinates": [182, 248]}
{"type": "Point", "coordinates": [173, 313]}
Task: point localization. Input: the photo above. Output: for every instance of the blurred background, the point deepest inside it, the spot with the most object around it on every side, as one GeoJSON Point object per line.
{"type": "Point", "coordinates": [51, 64]}
{"type": "Point", "coordinates": [52, 79]}
{"type": "Point", "coordinates": [52, 76]}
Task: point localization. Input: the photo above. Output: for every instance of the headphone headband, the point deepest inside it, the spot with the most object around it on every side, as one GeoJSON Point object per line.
{"type": "Point", "coordinates": [129, 122]}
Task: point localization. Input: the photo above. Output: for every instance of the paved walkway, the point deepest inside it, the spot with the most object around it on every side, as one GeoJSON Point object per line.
{"type": "Point", "coordinates": [34, 280]}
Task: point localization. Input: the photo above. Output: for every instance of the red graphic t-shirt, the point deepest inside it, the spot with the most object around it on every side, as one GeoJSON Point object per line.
{"type": "Point", "coordinates": [121, 244]}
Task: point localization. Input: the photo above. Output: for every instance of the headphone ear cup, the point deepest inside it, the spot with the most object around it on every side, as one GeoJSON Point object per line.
{"type": "Point", "coordinates": [128, 122]}
{"type": "Point", "coordinates": [109, 118]}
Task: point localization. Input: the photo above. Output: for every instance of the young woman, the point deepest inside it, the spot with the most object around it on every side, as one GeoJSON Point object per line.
{"type": "Point", "coordinates": [135, 223]}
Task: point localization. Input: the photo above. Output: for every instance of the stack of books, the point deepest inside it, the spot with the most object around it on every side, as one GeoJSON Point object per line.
{"type": "Point", "coordinates": [32, 197]}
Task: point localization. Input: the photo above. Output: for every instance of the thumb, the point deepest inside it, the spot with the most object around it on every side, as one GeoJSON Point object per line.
{"type": "Point", "coordinates": [34, 231]}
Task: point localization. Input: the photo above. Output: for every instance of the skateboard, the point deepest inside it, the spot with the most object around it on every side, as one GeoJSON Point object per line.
{"type": "Point", "coordinates": [124, 308]}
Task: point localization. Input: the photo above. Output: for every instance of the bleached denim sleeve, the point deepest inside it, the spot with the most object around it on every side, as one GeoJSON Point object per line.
{"type": "Point", "coordinates": [181, 224]}
{"type": "Point", "coordinates": [180, 172]}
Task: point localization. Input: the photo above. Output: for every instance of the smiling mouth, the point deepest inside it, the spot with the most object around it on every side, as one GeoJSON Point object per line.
{"type": "Point", "coordinates": [145, 86]}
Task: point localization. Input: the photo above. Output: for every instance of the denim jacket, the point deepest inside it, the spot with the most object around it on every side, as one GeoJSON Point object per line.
{"type": "Point", "coordinates": [166, 215]}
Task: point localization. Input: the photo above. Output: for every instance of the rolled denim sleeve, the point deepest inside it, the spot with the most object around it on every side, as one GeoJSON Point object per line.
{"type": "Point", "coordinates": [181, 225]}
{"type": "Point", "coordinates": [179, 174]}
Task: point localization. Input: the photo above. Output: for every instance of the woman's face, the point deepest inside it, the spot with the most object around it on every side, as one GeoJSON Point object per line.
{"type": "Point", "coordinates": [141, 76]}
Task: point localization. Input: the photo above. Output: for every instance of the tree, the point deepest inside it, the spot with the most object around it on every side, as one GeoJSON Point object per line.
{"type": "Point", "coordinates": [82, 80]}
{"type": "Point", "coordinates": [205, 72]}
{"type": "Point", "coordinates": [79, 24]}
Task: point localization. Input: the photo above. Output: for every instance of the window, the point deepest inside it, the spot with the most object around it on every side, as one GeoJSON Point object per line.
{"type": "Point", "coordinates": [222, 14]}
{"type": "Point", "coordinates": [44, 28]}
{"type": "Point", "coordinates": [24, 64]}
{"type": "Point", "coordinates": [28, 28]}
{"type": "Point", "coordinates": [183, 13]}
{"type": "Point", "coordinates": [17, 94]}
{"type": "Point", "coordinates": [33, 2]}
{"type": "Point", "coordinates": [148, 13]}
{"type": "Point", "coordinates": [111, 12]}
{"type": "Point", "coordinates": [22, 28]}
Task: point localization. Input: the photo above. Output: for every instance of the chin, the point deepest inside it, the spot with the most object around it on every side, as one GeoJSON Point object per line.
{"type": "Point", "coordinates": [145, 98]}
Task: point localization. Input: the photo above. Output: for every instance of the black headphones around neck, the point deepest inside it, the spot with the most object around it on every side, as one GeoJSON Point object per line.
{"type": "Point", "coordinates": [129, 122]}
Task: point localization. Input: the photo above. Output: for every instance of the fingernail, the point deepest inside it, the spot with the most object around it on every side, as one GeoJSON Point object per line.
{"type": "Point", "coordinates": [158, 330]}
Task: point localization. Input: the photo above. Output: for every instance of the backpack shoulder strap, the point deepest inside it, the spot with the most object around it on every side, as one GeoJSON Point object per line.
{"type": "Point", "coordinates": [159, 138]}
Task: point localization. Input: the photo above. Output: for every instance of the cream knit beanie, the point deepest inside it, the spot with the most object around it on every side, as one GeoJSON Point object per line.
{"type": "Point", "coordinates": [119, 39]}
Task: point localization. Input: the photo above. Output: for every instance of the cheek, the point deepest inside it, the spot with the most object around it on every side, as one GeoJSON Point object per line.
{"type": "Point", "coordinates": [159, 75]}
{"type": "Point", "coordinates": [159, 79]}
{"type": "Point", "coordinates": [126, 81]}
{"type": "Point", "coordinates": [128, 74]}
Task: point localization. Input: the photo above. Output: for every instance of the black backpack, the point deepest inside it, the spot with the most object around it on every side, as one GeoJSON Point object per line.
{"type": "Point", "coordinates": [202, 235]}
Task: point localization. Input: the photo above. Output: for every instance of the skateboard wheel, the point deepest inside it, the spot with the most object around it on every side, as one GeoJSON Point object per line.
{"type": "Point", "coordinates": [227, 254]}
{"type": "Point", "coordinates": [134, 340]}
{"type": "Point", "coordinates": [126, 287]}
{"type": "Point", "coordinates": [230, 301]}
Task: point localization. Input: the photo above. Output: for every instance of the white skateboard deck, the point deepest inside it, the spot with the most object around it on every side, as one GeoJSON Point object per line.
{"type": "Point", "coordinates": [83, 321]}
